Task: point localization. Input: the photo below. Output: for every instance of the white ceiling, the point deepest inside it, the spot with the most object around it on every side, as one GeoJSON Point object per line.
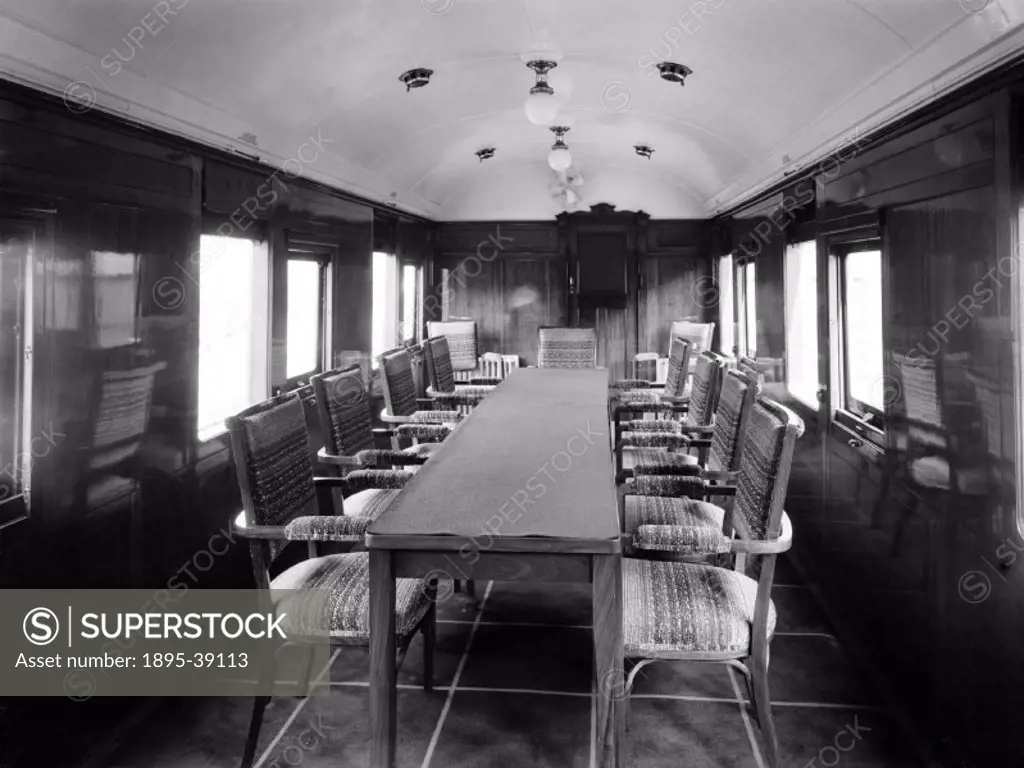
{"type": "Point", "coordinates": [776, 84]}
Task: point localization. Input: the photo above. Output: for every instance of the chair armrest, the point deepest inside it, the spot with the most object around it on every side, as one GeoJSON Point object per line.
{"type": "Point", "coordinates": [650, 425]}
{"type": "Point", "coordinates": [677, 486]}
{"type": "Point", "coordinates": [721, 475]}
{"type": "Point", "coordinates": [682, 539]}
{"type": "Point", "coordinates": [631, 384]}
{"type": "Point", "coordinates": [709, 431]}
{"type": "Point", "coordinates": [384, 459]}
{"type": "Point", "coordinates": [451, 400]}
{"type": "Point", "coordinates": [767, 546]}
{"type": "Point", "coordinates": [327, 528]}
{"type": "Point", "coordinates": [239, 526]}
{"type": "Point", "coordinates": [434, 417]}
{"type": "Point", "coordinates": [653, 440]}
{"type": "Point", "coordinates": [429, 432]}
{"type": "Point", "coordinates": [367, 479]}
{"type": "Point", "coordinates": [651, 406]}
{"type": "Point", "coordinates": [485, 382]}
{"type": "Point", "coordinates": [335, 460]}
{"type": "Point", "coordinates": [389, 418]}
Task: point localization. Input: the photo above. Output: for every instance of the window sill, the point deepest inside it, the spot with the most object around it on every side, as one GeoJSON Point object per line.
{"type": "Point", "coordinates": [848, 422]}
{"type": "Point", "coordinates": [208, 434]}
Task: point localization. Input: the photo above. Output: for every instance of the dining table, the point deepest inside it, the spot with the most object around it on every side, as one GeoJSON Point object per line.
{"type": "Point", "coordinates": [522, 490]}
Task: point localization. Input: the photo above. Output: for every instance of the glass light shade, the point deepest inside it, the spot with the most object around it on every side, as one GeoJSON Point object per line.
{"type": "Point", "coordinates": [541, 108]}
{"type": "Point", "coordinates": [559, 159]}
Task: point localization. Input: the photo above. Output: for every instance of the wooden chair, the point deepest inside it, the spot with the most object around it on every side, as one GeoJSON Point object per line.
{"type": "Point", "coordinates": [280, 504]}
{"type": "Point", "coordinates": [651, 437]}
{"type": "Point", "coordinates": [704, 613]}
{"type": "Point", "coordinates": [442, 389]}
{"type": "Point", "coordinates": [698, 335]}
{"type": "Point", "coordinates": [401, 405]}
{"type": "Point", "coordinates": [644, 398]}
{"type": "Point", "coordinates": [461, 335]}
{"type": "Point", "coordinates": [566, 348]}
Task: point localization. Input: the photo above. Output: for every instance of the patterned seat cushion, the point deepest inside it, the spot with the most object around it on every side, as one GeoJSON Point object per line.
{"type": "Point", "coordinates": [648, 461]}
{"type": "Point", "coordinates": [652, 425]}
{"type": "Point", "coordinates": [347, 579]}
{"type": "Point", "coordinates": [687, 611]}
{"type": "Point", "coordinates": [422, 449]}
{"type": "Point", "coordinates": [684, 526]}
{"type": "Point", "coordinates": [369, 503]}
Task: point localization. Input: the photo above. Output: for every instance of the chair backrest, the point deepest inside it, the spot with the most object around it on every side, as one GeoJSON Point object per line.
{"type": "Point", "coordinates": [698, 334]}
{"type": "Point", "coordinates": [461, 335]}
{"type": "Point", "coordinates": [767, 457]}
{"type": "Point", "coordinates": [344, 410]}
{"type": "Point", "coordinates": [707, 378]}
{"type": "Point", "coordinates": [567, 348]}
{"type": "Point", "coordinates": [272, 463]}
{"type": "Point", "coordinates": [436, 352]}
{"type": "Point", "coordinates": [734, 404]}
{"type": "Point", "coordinates": [120, 415]}
{"type": "Point", "coordinates": [397, 382]}
{"type": "Point", "coordinates": [749, 366]}
{"type": "Point", "coordinates": [678, 366]}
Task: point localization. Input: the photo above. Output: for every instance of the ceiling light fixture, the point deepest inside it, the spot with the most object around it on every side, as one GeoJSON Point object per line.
{"type": "Point", "coordinates": [559, 158]}
{"type": "Point", "coordinates": [485, 154]}
{"type": "Point", "coordinates": [643, 150]}
{"type": "Point", "coordinates": [674, 73]}
{"type": "Point", "coordinates": [541, 106]}
{"type": "Point", "coordinates": [415, 78]}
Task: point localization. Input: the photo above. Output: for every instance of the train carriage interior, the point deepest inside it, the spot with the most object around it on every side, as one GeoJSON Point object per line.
{"type": "Point", "coordinates": [635, 384]}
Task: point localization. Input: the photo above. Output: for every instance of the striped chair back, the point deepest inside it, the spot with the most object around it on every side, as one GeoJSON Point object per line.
{"type": "Point", "coordinates": [678, 366]}
{"type": "Point", "coordinates": [707, 379]}
{"type": "Point", "coordinates": [272, 463]}
{"type": "Point", "coordinates": [734, 404]}
{"type": "Point", "coordinates": [567, 348]}
{"type": "Point", "coordinates": [397, 382]}
{"type": "Point", "coordinates": [344, 410]}
{"type": "Point", "coordinates": [436, 352]}
{"type": "Point", "coordinates": [749, 366]}
{"type": "Point", "coordinates": [765, 462]}
{"type": "Point", "coordinates": [120, 414]}
{"type": "Point", "coordinates": [461, 336]}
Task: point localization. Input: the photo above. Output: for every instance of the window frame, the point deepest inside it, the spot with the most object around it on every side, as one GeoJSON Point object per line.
{"type": "Point", "coordinates": [727, 303]}
{"type": "Point", "coordinates": [839, 247]}
{"type": "Point", "coordinates": [741, 343]}
{"type": "Point", "coordinates": [418, 324]}
{"type": "Point", "coordinates": [322, 254]}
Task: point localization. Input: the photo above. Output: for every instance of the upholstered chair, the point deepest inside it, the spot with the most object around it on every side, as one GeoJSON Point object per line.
{"type": "Point", "coordinates": [566, 348]}
{"type": "Point", "coordinates": [633, 397]}
{"type": "Point", "coordinates": [647, 437]}
{"type": "Point", "coordinates": [442, 389]}
{"type": "Point", "coordinates": [281, 504]}
{"type": "Point", "coordinates": [401, 405]}
{"type": "Point", "coordinates": [676, 611]}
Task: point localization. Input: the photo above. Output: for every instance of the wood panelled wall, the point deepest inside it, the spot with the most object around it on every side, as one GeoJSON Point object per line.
{"type": "Point", "coordinates": [102, 190]}
{"type": "Point", "coordinates": [925, 582]}
{"type": "Point", "coordinates": [513, 290]}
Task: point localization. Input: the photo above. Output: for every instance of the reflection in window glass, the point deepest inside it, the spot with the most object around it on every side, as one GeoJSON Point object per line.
{"type": "Point", "coordinates": [802, 322]}
{"type": "Point", "coordinates": [234, 329]}
{"type": "Point", "coordinates": [862, 291]}
{"type": "Point", "coordinates": [725, 305]}
{"type": "Point", "coordinates": [304, 317]}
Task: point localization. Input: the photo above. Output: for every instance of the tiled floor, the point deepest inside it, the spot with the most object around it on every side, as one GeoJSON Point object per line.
{"type": "Point", "coordinates": [513, 688]}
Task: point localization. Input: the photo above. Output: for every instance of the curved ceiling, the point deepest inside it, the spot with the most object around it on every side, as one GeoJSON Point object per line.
{"type": "Point", "coordinates": [776, 84]}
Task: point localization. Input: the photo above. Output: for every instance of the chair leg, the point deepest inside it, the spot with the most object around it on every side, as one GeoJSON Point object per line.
{"type": "Point", "coordinates": [258, 707]}
{"type": "Point", "coordinates": [429, 643]}
{"type": "Point", "coordinates": [763, 708]}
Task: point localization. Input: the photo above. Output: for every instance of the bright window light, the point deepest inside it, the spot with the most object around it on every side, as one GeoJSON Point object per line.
{"type": "Point", "coordinates": [304, 317]}
{"type": "Point", "coordinates": [802, 322]}
{"type": "Point", "coordinates": [234, 329]}
{"type": "Point", "coordinates": [385, 304]}
{"type": "Point", "coordinates": [862, 276]}
{"type": "Point", "coordinates": [727, 321]}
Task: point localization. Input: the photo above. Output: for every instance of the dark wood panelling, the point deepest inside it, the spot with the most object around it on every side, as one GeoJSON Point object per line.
{"type": "Point", "coordinates": [534, 295]}
{"type": "Point", "coordinates": [675, 285]}
{"type": "Point", "coordinates": [482, 237]}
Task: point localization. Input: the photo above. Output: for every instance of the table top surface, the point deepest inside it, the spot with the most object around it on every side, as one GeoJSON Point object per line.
{"type": "Point", "coordinates": [531, 463]}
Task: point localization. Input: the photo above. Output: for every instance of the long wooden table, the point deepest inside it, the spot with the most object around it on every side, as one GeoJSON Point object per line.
{"type": "Point", "coordinates": [523, 490]}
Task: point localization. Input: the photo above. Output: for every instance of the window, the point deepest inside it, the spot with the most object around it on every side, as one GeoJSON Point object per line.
{"type": "Point", "coordinates": [727, 321]}
{"type": "Point", "coordinates": [114, 298]}
{"type": "Point", "coordinates": [412, 300]}
{"type": "Point", "coordinates": [309, 317]}
{"type": "Point", "coordinates": [802, 322]}
{"type": "Point", "coordinates": [385, 304]}
{"type": "Point", "coordinates": [746, 308]}
{"type": "Point", "coordinates": [17, 243]}
{"type": "Point", "coordinates": [862, 366]}
{"type": "Point", "coordinates": [234, 329]}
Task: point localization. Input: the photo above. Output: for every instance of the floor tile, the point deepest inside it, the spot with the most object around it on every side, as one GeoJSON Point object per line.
{"type": "Point", "coordinates": [499, 730]}
{"type": "Point", "coordinates": [353, 662]}
{"type": "Point", "coordinates": [539, 603]}
{"type": "Point", "coordinates": [665, 733]}
{"type": "Point", "coordinates": [814, 669]}
{"type": "Point", "coordinates": [334, 731]}
{"type": "Point", "coordinates": [847, 738]}
{"type": "Point", "coordinates": [550, 659]}
{"type": "Point", "coordinates": [683, 678]}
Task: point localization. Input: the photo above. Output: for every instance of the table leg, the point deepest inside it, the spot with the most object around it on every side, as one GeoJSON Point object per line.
{"type": "Point", "coordinates": [608, 660]}
{"type": "Point", "coordinates": [383, 675]}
